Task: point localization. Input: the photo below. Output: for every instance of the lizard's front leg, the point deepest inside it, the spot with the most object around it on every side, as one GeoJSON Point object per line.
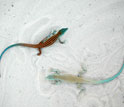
{"type": "Point", "coordinates": [56, 82]}
{"type": "Point", "coordinates": [56, 71]}
{"type": "Point", "coordinates": [62, 42]}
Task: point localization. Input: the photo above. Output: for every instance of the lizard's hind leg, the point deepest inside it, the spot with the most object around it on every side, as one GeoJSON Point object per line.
{"type": "Point", "coordinates": [39, 49]}
{"type": "Point", "coordinates": [81, 88]}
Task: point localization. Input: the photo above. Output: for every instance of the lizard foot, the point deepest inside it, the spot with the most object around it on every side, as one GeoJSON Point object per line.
{"type": "Point", "coordinates": [82, 89]}
{"type": "Point", "coordinates": [56, 82]}
{"type": "Point", "coordinates": [84, 70]}
{"type": "Point", "coordinates": [56, 71]}
{"type": "Point", "coordinates": [62, 42]}
{"type": "Point", "coordinates": [39, 52]}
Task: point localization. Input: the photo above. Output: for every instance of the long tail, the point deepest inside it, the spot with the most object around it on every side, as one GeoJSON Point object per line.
{"type": "Point", "coordinates": [108, 79]}
{"type": "Point", "coordinates": [30, 45]}
{"type": "Point", "coordinates": [111, 78]}
{"type": "Point", "coordinates": [17, 44]}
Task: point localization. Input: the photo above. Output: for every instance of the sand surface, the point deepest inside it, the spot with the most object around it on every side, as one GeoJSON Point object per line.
{"type": "Point", "coordinates": [95, 39]}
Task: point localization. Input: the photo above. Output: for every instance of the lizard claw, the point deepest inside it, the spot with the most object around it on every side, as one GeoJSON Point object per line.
{"type": "Point", "coordinates": [56, 71]}
{"type": "Point", "coordinates": [62, 42]}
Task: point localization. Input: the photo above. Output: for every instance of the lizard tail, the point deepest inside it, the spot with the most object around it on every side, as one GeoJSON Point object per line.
{"type": "Point", "coordinates": [108, 79]}
{"type": "Point", "coordinates": [17, 44]}
{"type": "Point", "coordinates": [29, 45]}
{"type": "Point", "coordinates": [111, 78]}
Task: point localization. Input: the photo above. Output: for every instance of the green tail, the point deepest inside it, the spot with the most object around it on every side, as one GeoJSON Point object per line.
{"type": "Point", "coordinates": [17, 44]}
{"type": "Point", "coordinates": [111, 78]}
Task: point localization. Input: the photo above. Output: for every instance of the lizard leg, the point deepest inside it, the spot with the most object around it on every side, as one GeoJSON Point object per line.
{"type": "Point", "coordinates": [62, 42]}
{"type": "Point", "coordinates": [84, 70]}
{"type": "Point", "coordinates": [53, 32]}
{"type": "Point", "coordinates": [56, 71]}
{"type": "Point", "coordinates": [79, 86]}
{"type": "Point", "coordinates": [58, 82]}
{"type": "Point", "coordinates": [81, 92]}
{"type": "Point", "coordinates": [39, 49]}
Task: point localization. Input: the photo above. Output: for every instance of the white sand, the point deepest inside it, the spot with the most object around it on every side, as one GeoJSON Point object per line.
{"type": "Point", "coordinates": [95, 39]}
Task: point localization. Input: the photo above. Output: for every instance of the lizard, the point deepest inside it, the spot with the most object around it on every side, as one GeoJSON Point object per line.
{"type": "Point", "coordinates": [79, 80]}
{"type": "Point", "coordinates": [47, 41]}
